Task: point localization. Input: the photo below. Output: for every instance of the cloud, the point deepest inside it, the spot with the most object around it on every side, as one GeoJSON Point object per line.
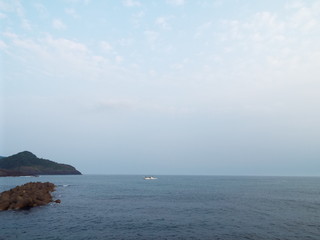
{"type": "Point", "coordinates": [176, 2]}
{"type": "Point", "coordinates": [85, 2]}
{"type": "Point", "coordinates": [66, 45]}
{"type": "Point", "coordinates": [254, 56]}
{"type": "Point", "coordinates": [3, 45]}
{"type": "Point", "coordinates": [119, 59]}
{"type": "Point", "coordinates": [58, 24]}
{"type": "Point", "coordinates": [71, 12]}
{"type": "Point", "coordinates": [306, 18]}
{"type": "Point", "coordinates": [10, 35]}
{"type": "Point", "coordinates": [125, 42]}
{"type": "Point", "coordinates": [202, 29]}
{"type": "Point", "coordinates": [131, 3]}
{"type": "Point", "coordinates": [271, 28]}
{"type": "Point", "coordinates": [106, 46]}
{"type": "Point", "coordinates": [2, 15]}
{"type": "Point", "coordinates": [151, 37]}
{"type": "Point", "coordinates": [20, 11]}
{"type": "Point", "coordinates": [42, 10]}
{"type": "Point", "coordinates": [137, 18]}
{"type": "Point", "coordinates": [163, 22]}
{"type": "Point", "coordinates": [294, 4]}
{"type": "Point", "coordinates": [180, 65]}
{"type": "Point", "coordinates": [115, 105]}
{"type": "Point", "coordinates": [134, 105]}
{"type": "Point", "coordinates": [58, 57]}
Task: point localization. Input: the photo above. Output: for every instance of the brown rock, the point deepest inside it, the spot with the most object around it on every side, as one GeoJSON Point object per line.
{"type": "Point", "coordinates": [26, 196]}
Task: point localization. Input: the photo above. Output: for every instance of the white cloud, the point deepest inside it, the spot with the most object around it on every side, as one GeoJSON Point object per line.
{"type": "Point", "coordinates": [163, 22]}
{"type": "Point", "coordinates": [66, 45]}
{"type": "Point", "coordinates": [176, 2]}
{"type": "Point", "coordinates": [177, 66]}
{"type": "Point", "coordinates": [262, 26]}
{"type": "Point", "coordinates": [294, 4]}
{"type": "Point", "coordinates": [3, 45]}
{"type": "Point", "coordinates": [26, 24]}
{"type": "Point", "coordinates": [259, 44]}
{"type": "Point", "coordinates": [119, 59]}
{"type": "Point", "coordinates": [71, 12]}
{"type": "Point", "coordinates": [10, 35]}
{"type": "Point", "coordinates": [115, 104]}
{"type": "Point", "coordinates": [181, 65]}
{"type": "Point", "coordinates": [106, 46]}
{"type": "Point", "coordinates": [62, 60]}
{"type": "Point", "coordinates": [5, 6]}
{"type": "Point", "coordinates": [126, 42]}
{"type": "Point", "coordinates": [17, 8]}
{"type": "Point", "coordinates": [152, 37]}
{"type": "Point", "coordinates": [271, 28]}
{"type": "Point", "coordinates": [58, 24]}
{"type": "Point", "coordinates": [56, 56]}
{"type": "Point", "coordinates": [2, 15]}
{"type": "Point", "coordinates": [203, 29]}
{"type": "Point", "coordinates": [306, 18]}
{"type": "Point", "coordinates": [42, 10]}
{"type": "Point", "coordinates": [135, 105]}
{"type": "Point", "coordinates": [131, 3]}
{"type": "Point", "coordinates": [85, 2]}
{"type": "Point", "coordinates": [137, 18]}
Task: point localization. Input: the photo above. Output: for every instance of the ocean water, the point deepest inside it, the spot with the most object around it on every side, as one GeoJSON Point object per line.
{"type": "Point", "coordinates": [171, 207]}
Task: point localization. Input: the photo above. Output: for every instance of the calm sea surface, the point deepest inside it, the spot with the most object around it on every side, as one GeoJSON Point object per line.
{"type": "Point", "coordinates": [171, 207]}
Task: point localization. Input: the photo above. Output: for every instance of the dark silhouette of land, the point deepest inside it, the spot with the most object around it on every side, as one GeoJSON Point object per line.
{"type": "Point", "coordinates": [27, 164]}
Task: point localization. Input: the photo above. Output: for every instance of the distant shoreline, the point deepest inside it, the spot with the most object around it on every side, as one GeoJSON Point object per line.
{"type": "Point", "coordinates": [27, 164]}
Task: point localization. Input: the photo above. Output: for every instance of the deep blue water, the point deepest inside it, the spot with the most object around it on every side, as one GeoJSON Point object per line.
{"type": "Point", "coordinates": [171, 207]}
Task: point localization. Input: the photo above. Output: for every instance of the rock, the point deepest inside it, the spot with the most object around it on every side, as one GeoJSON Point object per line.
{"type": "Point", "coordinates": [26, 196]}
{"type": "Point", "coordinates": [57, 201]}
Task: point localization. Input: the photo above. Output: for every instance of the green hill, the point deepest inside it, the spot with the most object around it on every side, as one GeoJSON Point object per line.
{"type": "Point", "coordinates": [26, 163]}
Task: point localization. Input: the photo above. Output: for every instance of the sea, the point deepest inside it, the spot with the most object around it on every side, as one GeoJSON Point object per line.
{"type": "Point", "coordinates": [170, 207]}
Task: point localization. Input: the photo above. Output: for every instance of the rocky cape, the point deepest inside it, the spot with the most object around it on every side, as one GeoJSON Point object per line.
{"type": "Point", "coordinates": [27, 164]}
{"type": "Point", "coordinates": [29, 195]}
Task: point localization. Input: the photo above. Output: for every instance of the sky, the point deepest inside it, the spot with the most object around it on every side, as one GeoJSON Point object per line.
{"type": "Point", "coordinates": [202, 87]}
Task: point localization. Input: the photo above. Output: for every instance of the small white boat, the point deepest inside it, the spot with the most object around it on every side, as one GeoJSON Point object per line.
{"type": "Point", "coordinates": [150, 178]}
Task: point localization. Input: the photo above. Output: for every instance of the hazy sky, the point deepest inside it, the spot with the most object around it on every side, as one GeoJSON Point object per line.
{"type": "Point", "coordinates": [163, 86]}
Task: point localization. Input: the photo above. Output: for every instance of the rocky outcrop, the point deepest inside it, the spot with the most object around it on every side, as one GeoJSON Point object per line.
{"type": "Point", "coordinates": [27, 196]}
{"type": "Point", "coordinates": [27, 164]}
